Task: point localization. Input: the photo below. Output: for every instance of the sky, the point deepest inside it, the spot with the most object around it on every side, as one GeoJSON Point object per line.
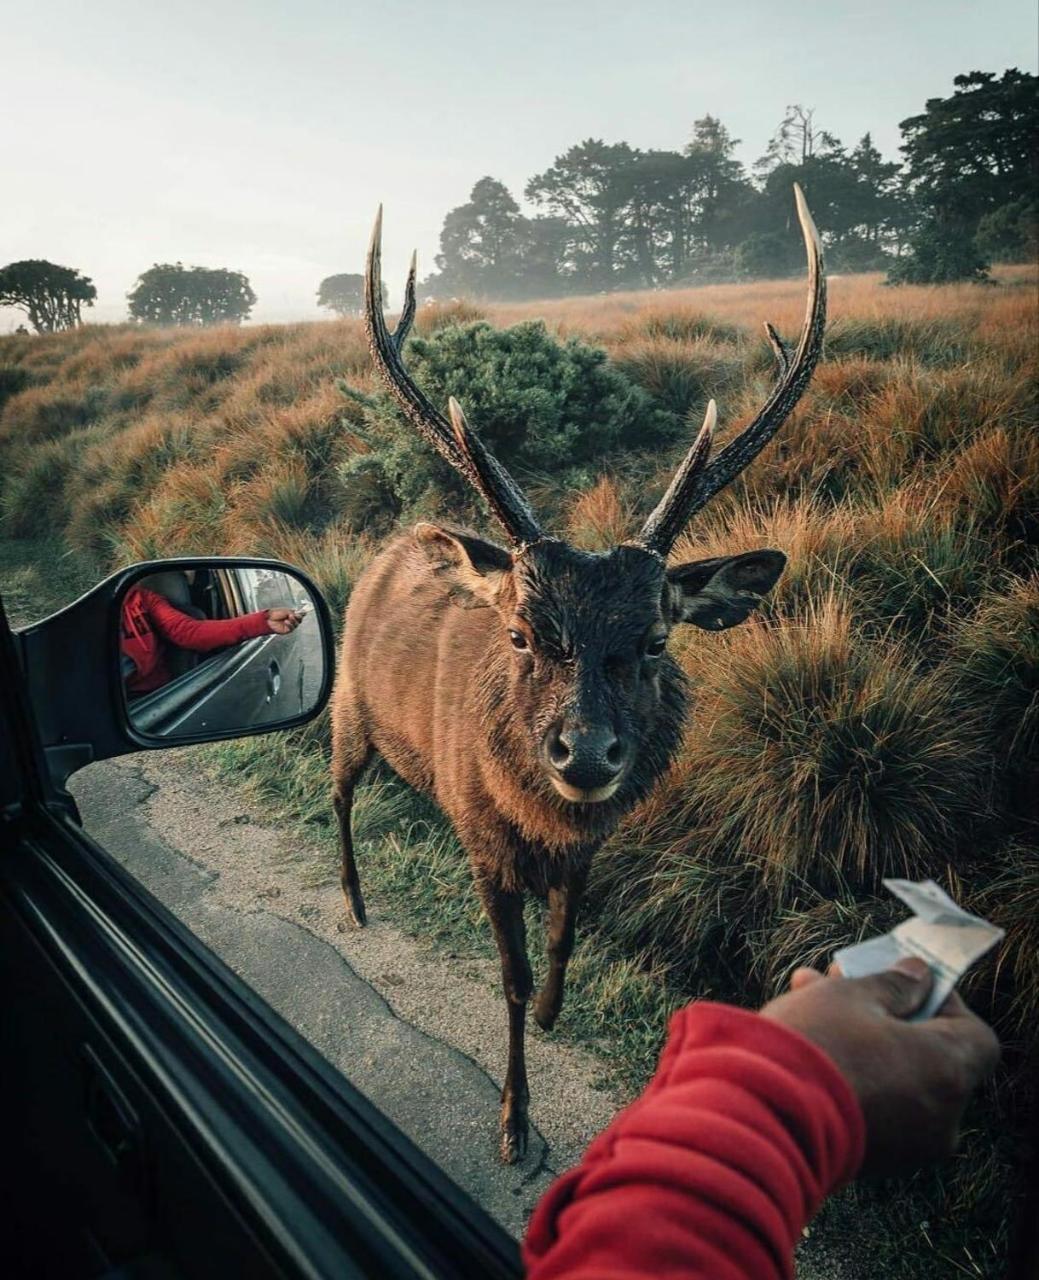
{"type": "Point", "coordinates": [261, 135]}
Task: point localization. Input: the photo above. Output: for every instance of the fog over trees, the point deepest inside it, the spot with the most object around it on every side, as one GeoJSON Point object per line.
{"type": "Point", "coordinates": [608, 216]}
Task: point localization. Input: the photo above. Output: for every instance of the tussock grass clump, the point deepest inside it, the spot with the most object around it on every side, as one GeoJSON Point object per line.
{"type": "Point", "coordinates": [1009, 981]}
{"type": "Point", "coordinates": [995, 480]}
{"type": "Point", "coordinates": [938, 340]}
{"type": "Point", "coordinates": [443, 315]}
{"type": "Point", "coordinates": [826, 759]}
{"type": "Point", "coordinates": [680, 376]}
{"type": "Point", "coordinates": [682, 325]}
{"type": "Point", "coordinates": [997, 650]}
{"type": "Point", "coordinates": [599, 517]}
{"type": "Point", "coordinates": [914, 568]}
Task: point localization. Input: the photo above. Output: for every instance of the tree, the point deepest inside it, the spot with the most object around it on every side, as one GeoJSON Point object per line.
{"type": "Point", "coordinates": [482, 243]}
{"type": "Point", "coordinates": [975, 150]}
{"type": "Point", "coordinates": [967, 156]}
{"type": "Point", "coordinates": [584, 186]}
{"type": "Point", "coordinates": [172, 294]}
{"type": "Point", "coordinates": [51, 296]}
{"type": "Point", "coordinates": [344, 294]}
{"type": "Point", "coordinates": [796, 140]}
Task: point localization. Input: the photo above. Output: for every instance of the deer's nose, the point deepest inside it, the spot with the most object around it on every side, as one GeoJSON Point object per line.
{"type": "Point", "coordinates": [585, 758]}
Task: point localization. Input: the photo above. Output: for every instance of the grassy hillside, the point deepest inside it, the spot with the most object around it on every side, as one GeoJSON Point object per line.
{"type": "Point", "coordinates": [881, 718]}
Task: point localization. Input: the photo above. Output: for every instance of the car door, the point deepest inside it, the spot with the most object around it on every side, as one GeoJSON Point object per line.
{"type": "Point", "coordinates": [158, 1118]}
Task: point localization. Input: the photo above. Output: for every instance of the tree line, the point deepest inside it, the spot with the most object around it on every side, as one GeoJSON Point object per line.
{"type": "Point", "coordinates": [612, 216]}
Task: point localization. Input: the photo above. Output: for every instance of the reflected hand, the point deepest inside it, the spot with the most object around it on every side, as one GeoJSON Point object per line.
{"type": "Point", "coordinates": [283, 621]}
{"type": "Point", "coordinates": [912, 1079]}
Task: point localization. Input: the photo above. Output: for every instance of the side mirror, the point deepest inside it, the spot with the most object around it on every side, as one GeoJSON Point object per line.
{"type": "Point", "coordinates": [177, 651]}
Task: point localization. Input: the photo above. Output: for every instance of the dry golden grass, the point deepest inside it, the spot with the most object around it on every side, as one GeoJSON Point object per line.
{"type": "Point", "coordinates": [846, 735]}
{"type": "Point", "coordinates": [879, 717]}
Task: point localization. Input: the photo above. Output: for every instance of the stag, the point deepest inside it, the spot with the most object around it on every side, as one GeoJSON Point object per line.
{"type": "Point", "coordinates": [528, 688]}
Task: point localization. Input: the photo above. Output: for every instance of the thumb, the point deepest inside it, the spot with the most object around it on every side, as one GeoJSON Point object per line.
{"type": "Point", "coordinates": [900, 990]}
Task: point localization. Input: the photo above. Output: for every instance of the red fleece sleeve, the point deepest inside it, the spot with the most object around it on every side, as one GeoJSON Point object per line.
{"type": "Point", "coordinates": [198, 634]}
{"type": "Point", "coordinates": [715, 1170]}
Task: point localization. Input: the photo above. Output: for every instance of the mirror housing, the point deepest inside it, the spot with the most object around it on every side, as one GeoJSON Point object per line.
{"type": "Point", "coordinates": [76, 674]}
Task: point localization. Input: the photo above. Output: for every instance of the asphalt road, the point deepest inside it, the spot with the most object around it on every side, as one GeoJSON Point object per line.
{"type": "Point", "coordinates": [421, 1035]}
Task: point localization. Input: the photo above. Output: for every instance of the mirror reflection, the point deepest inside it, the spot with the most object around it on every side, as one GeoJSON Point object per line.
{"type": "Point", "coordinates": [206, 650]}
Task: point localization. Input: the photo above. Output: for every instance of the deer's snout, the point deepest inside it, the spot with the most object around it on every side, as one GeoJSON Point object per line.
{"type": "Point", "coordinates": [585, 764]}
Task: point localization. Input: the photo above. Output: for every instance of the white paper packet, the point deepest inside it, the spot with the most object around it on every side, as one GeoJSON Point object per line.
{"type": "Point", "coordinates": [948, 938]}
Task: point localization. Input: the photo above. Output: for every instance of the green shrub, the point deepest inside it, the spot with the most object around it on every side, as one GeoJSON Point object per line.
{"type": "Point", "coordinates": [940, 253]}
{"type": "Point", "coordinates": [540, 405]}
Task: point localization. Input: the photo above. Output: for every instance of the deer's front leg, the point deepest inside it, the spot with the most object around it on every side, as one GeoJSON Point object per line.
{"type": "Point", "coordinates": [505, 912]}
{"type": "Point", "coordinates": [562, 922]}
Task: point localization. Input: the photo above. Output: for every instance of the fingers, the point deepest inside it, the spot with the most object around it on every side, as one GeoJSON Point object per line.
{"type": "Point", "coordinates": [973, 1041]}
{"type": "Point", "coordinates": [901, 990]}
{"type": "Point", "coordinates": [804, 978]}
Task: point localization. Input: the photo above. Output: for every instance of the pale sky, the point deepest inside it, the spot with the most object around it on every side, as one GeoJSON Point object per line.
{"type": "Point", "coordinates": [261, 136]}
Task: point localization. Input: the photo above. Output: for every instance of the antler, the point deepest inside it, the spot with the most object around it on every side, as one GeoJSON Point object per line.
{"type": "Point", "coordinates": [696, 482]}
{"type": "Point", "coordinates": [454, 441]}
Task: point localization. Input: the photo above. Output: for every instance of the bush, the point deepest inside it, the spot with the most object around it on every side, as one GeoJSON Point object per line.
{"type": "Point", "coordinates": [940, 254]}
{"type": "Point", "coordinates": [540, 405]}
{"type": "Point", "coordinates": [1010, 233]}
{"type": "Point", "coordinates": [767, 254]}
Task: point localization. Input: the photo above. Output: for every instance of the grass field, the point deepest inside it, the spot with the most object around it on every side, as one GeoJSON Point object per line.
{"type": "Point", "coordinates": [881, 718]}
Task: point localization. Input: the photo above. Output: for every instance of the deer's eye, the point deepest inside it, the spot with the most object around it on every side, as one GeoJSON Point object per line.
{"type": "Point", "coordinates": [518, 639]}
{"type": "Point", "coordinates": [655, 646]}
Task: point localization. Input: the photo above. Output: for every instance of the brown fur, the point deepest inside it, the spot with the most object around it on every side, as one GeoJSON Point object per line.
{"type": "Point", "coordinates": [430, 679]}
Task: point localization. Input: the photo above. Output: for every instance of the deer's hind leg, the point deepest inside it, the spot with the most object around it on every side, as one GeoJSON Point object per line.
{"type": "Point", "coordinates": [351, 751]}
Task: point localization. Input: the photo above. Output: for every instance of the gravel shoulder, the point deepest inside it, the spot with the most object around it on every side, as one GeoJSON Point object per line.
{"type": "Point", "coordinates": [422, 1034]}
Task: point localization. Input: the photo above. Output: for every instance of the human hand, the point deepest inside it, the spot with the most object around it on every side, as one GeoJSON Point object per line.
{"type": "Point", "coordinates": [912, 1079]}
{"type": "Point", "coordinates": [283, 621]}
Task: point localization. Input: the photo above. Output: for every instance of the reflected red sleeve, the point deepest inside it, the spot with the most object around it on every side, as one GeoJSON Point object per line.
{"type": "Point", "coordinates": [715, 1170]}
{"type": "Point", "coordinates": [198, 634]}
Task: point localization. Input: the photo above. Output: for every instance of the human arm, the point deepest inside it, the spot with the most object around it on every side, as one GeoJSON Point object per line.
{"type": "Point", "coordinates": [751, 1121]}
{"type": "Point", "coordinates": [202, 635]}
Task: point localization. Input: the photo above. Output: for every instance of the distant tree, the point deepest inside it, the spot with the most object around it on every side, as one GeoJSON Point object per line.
{"type": "Point", "coordinates": [967, 156]}
{"type": "Point", "coordinates": [344, 294]}
{"type": "Point", "coordinates": [482, 243]}
{"type": "Point", "coordinates": [172, 294]}
{"type": "Point", "coordinates": [51, 296]}
{"type": "Point", "coordinates": [585, 187]}
{"type": "Point", "coordinates": [796, 140]}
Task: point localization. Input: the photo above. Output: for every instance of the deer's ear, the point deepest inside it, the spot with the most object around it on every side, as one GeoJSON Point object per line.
{"type": "Point", "coordinates": [472, 570]}
{"type": "Point", "coordinates": [719, 593]}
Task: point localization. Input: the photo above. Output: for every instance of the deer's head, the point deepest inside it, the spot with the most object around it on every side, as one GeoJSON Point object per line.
{"type": "Point", "coordinates": [583, 636]}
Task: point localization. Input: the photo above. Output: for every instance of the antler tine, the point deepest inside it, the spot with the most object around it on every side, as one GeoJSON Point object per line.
{"type": "Point", "coordinates": [660, 530]}
{"type": "Point", "coordinates": [781, 353]}
{"type": "Point", "coordinates": [682, 501]}
{"type": "Point", "coordinates": [466, 453]}
{"type": "Point", "coordinates": [497, 486]}
{"type": "Point", "coordinates": [407, 311]}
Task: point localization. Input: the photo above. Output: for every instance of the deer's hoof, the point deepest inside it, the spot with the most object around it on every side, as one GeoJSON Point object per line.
{"type": "Point", "coordinates": [545, 1013]}
{"type": "Point", "coordinates": [355, 908]}
{"type": "Point", "coordinates": [513, 1139]}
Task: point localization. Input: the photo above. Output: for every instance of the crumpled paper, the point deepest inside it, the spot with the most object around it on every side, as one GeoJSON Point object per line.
{"type": "Point", "coordinates": [941, 933]}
